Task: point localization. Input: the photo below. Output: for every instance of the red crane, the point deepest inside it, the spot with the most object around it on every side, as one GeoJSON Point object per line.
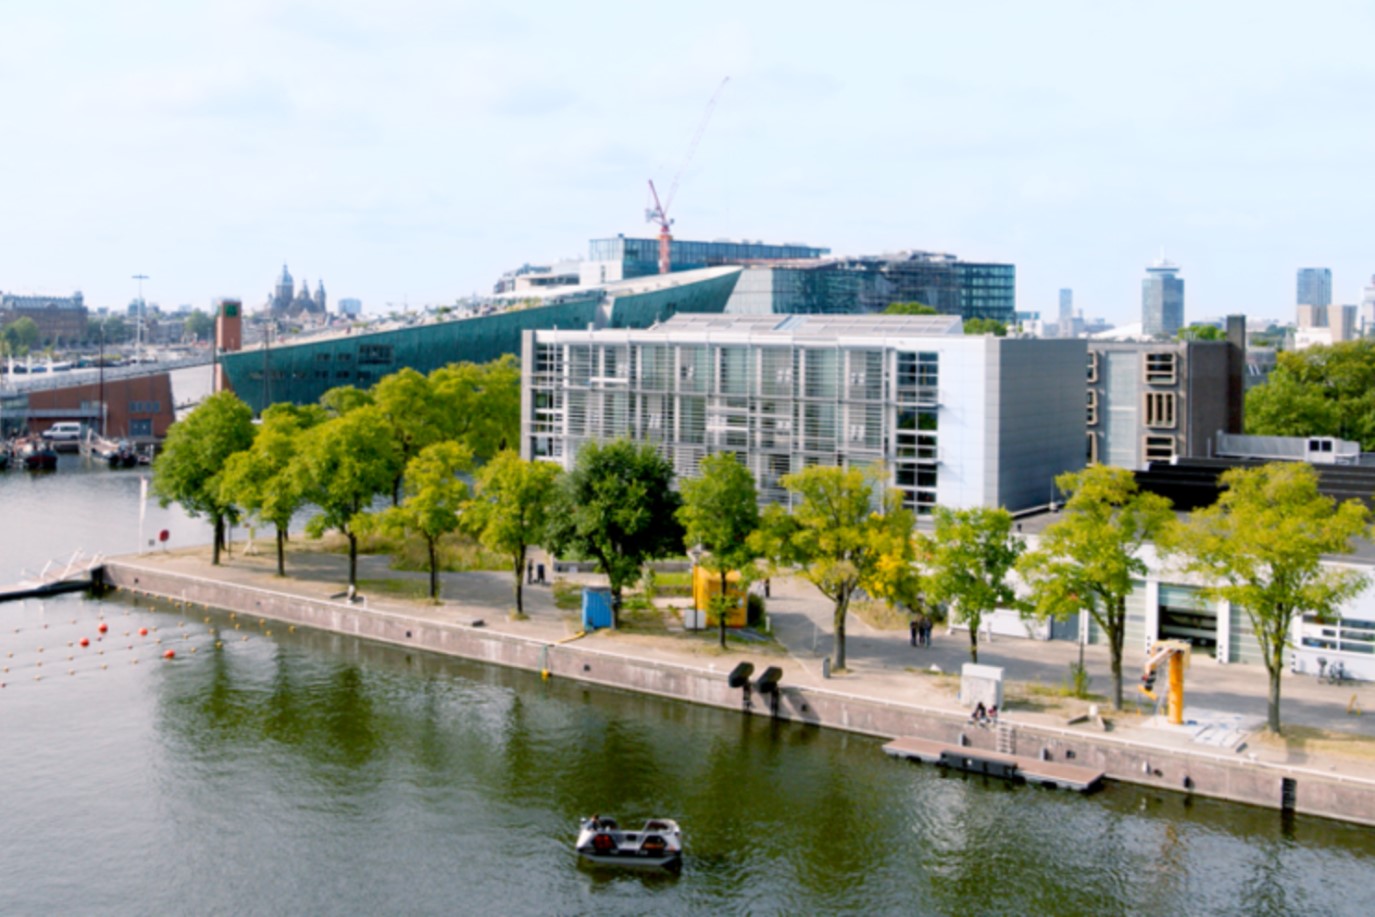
{"type": "Point", "coordinates": [659, 212]}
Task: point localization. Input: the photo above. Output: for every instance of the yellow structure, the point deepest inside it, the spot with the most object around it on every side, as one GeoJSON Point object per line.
{"type": "Point", "coordinates": [706, 585]}
{"type": "Point", "coordinates": [1174, 653]}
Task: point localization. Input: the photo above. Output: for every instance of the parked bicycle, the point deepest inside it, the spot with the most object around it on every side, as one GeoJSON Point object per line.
{"type": "Point", "coordinates": [1333, 674]}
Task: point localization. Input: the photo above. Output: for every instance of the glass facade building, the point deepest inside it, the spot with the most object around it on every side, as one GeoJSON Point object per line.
{"type": "Point", "coordinates": [1162, 300]}
{"type": "Point", "coordinates": [640, 257]}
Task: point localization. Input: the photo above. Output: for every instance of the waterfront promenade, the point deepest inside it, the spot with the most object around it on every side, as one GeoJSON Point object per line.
{"type": "Point", "coordinates": [1226, 702]}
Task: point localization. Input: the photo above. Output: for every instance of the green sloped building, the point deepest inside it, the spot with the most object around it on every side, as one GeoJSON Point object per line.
{"type": "Point", "coordinates": [300, 372]}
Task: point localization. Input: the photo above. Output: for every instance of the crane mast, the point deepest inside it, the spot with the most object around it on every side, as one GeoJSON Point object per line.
{"type": "Point", "coordinates": [658, 214]}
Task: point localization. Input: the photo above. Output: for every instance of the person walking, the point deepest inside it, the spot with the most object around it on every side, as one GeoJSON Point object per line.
{"type": "Point", "coordinates": [926, 627]}
{"type": "Point", "coordinates": [914, 625]}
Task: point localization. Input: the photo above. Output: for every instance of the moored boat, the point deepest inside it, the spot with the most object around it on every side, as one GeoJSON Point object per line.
{"type": "Point", "coordinates": [36, 455]}
{"type": "Point", "coordinates": [658, 845]}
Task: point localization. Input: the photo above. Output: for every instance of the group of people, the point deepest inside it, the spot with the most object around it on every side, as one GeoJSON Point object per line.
{"type": "Point", "coordinates": [920, 627]}
{"type": "Point", "coordinates": [984, 716]}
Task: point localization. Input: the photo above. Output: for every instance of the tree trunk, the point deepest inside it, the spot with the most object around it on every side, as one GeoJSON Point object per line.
{"type": "Point", "coordinates": [396, 491]}
{"type": "Point", "coordinates": [281, 551]}
{"type": "Point", "coordinates": [353, 559]}
{"type": "Point", "coordinates": [974, 637]}
{"type": "Point", "coordinates": [1274, 665]}
{"type": "Point", "coordinates": [841, 609]}
{"type": "Point", "coordinates": [520, 582]}
{"type": "Point", "coordinates": [219, 540]}
{"type": "Point", "coordinates": [616, 606]}
{"type": "Point", "coordinates": [434, 569]}
{"type": "Point", "coordinates": [1115, 637]}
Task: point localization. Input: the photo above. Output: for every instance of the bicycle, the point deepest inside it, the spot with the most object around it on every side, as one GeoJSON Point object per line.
{"type": "Point", "coordinates": [1333, 674]}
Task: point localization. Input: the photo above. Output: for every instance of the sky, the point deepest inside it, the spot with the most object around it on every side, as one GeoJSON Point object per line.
{"type": "Point", "coordinates": [409, 152]}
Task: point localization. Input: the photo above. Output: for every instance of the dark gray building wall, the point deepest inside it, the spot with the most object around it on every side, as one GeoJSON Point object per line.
{"type": "Point", "coordinates": [1207, 365]}
{"type": "Point", "coordinates": [1040, 426]}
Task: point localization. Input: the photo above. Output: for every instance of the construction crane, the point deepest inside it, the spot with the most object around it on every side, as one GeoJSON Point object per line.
{"type": "Point", "coordinates": [659, 212]}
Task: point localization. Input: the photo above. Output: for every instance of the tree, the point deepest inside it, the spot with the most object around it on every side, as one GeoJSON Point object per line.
{"type": "Point", "coordinates": [1261, 546]}
{"type": "Point", "coordinates": [343, 465]}
{"type": "Point", "coordinates": [1198, 332]}
{"type": "Point", "coordinates": [511, 510]}
{"type": "Point", "coordinates": [435, 494]}
{"type": "Point", "coordinates": [909, 308]}
{"type": "Point", "coordinates": [22, 335]}
{"type": "Point", "coordinates": [188, 469]}
{"type": "Point", "coordinates": [837, 536]}
{"type": "Point", "coordinates": [967, 560]}
{"type": "Point", "coordinates": [1320, 391]}
{"type": "Point", "coordinates": [406, 399]}
{"type": "Point", "coordinates": [720, 512]}
{"type": "Point", "coordinates": [342, 399]}
{"type": "Point", "coordinates": [617, 507]}
{"type": "Point", "coordinates": [479, 404]}
{"type": "Point", "coordinates": [260, 479]}
{"type": "Point", "coordinates": [199, 326]}
{"type": "Point", "coordinates": [985, 326]}
{"type": "Point", "coordinates": [1087, 559]}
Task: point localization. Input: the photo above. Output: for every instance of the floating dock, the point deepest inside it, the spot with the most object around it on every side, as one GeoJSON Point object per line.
{"type": "Point", "coordinates": [995, 764]}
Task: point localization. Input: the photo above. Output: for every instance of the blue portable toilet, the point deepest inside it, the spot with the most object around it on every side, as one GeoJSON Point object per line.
{"type": "Point", "coordinates": [596, 607]}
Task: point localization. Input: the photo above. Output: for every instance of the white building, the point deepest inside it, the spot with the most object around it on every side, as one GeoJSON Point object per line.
{"type": "Point", "coordinates": [957, 420]}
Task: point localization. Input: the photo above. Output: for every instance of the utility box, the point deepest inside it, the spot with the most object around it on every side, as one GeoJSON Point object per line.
{"type": "Point", "coordinates": [981, 684]}
{"type": "Point", "coordinates": [596, 607]}
{"type": "Point", "coordinates": [706, 585]}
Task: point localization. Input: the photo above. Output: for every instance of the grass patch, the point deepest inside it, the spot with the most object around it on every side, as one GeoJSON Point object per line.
{"type": "Point", "coordinates": [1309, 740]}
{"type": "Point", "coordinates": [880, 615]}
{"type": "Point", "coordinates": [458, 553]}
{"type": "Point", "coordinates": [567, 596]}
{"type": "Point", "coordinates": [397, 587]}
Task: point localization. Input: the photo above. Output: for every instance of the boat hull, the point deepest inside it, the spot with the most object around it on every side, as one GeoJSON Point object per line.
{"type": "Point", "coordinates": [658, 845]}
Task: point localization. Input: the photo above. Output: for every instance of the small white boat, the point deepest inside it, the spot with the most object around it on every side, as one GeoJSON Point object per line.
{"type": "Point", "coordinates": [658, 845]}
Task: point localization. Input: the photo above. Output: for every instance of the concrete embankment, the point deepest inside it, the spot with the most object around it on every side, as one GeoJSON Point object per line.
{"type": "Point", "coordinates": [1219, 775]}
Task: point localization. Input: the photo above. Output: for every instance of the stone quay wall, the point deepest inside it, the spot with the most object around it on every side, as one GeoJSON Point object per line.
{"type": "Point", "coordinates": [1228, 776]}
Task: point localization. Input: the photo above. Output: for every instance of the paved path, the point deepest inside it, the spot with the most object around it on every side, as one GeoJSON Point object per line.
{"type": "Point", "coordinates": [883, 665]}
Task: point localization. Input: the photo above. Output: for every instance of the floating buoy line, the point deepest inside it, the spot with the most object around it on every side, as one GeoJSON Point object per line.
{"type": "Point", "coordinates": [101, 637]}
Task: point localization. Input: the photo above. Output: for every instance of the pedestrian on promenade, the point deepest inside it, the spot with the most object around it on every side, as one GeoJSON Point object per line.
{"type": "Point", "coordinates": [915, 627]}
{"type": "Point", "coordinates": [529, 571]}
{"type": "Point", "coordinates": [927, 625]}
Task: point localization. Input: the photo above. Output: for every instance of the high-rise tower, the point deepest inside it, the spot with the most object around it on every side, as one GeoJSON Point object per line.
{"type": "Point", "coordinates": [1162, 300]}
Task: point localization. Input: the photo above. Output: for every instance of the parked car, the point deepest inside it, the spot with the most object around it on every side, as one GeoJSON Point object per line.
{"type": "Point", "coordinates": [64, 431]}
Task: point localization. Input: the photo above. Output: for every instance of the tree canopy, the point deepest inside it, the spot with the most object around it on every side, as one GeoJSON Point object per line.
{"type": "Point", "coordinates": [839, 535]}
{"type": "Point", "coordinates": [720, 512]}
{"type": "Point", "coordinates": [1260, 547]}
{"type": "Point", "coordinates": [910, 308]}
{"type": "Point", "coordinates": [966, 561]}
{"type": "Point", "coordinates": [617, 507]}
{"type": "Point", "coordinates": [985, 326]}
{"type": "Point", "coordinates": [1088, 558]}
{"type": "Point", "coordinates": [189, 467]}
{"type": "Point", "coordinates": [1197, 332]}
{"type": "Point", "coordinates": [511, 510]}
{"type": "Point", "coordinates": [479, 404]}
{"type": "Point", "coordinates": [1320, 391]}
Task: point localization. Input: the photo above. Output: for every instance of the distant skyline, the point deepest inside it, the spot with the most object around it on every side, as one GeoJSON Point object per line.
{"type": "Point", "coordinates": [412, 151]}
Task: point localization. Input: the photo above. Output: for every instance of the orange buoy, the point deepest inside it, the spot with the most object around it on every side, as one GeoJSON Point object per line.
{"type": "Point", "coordinates": [143, 631]}
{"type": "Point", "coordinates": [169, 654]}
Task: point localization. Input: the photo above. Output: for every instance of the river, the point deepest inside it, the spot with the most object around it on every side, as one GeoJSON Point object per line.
{"type": "Point", "coordinates": [265, 771]}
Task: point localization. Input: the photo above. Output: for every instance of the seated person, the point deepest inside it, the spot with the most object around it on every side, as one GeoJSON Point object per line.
{"type": "Point", "coordinates": [980, 713]}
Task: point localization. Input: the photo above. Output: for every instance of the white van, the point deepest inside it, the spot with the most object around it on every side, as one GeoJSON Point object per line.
{"type": "Point", "coordinates": [64, 431]}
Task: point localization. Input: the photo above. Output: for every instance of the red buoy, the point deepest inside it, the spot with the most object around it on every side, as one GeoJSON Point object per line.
{"type": "Point", "coordinates": [143, 631]}
{"type": "Point", "coordinates": [85, 641]}
{"type": "Point", "coordinates": [103, 627]}
{"type": "Point", "coordinates": [169, 654]}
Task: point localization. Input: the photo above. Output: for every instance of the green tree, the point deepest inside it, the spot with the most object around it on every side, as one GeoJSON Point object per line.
{"type": "Point", "coordinates": [985, 326]}
{"type": "Point", "coordinates": [188, 470]}
{"type": "Point", "coordinates": [1260, 547]}
{"type": "Point", "coordinates": [22, 335]}
{"type": "Point", "coordinates": [1198, 332]}
{"type": "Point", "coordinates": [1087, 559]}
{"type": "Point", "coordinates": [909, 308]}
{"type": "Point", "coordinates": [260, 480]}
{"type": "Point", "coordinates": [342, 399]}
{"type": "Point", "coordinates": [720, 512]}
{"type": "Point", "coordinates": [511, 510]}
{"type": "Point", "coordinates": [841, 542]}
{"type": "Point", "coordinates": [480, 404]}
{"type": "Point", "coordinates": [617, 507]}
{"type": "Point", "coordinates": [435, 494]}
{"type": "Point", "coordinates": [406, 399]}
{"type": "Point", "coordinates": [1320, 391]}
{"type": "Point", "coordinates": [199, 326]}
{"type": "Point", "coordinates": [966, 562]}
{"type": "Point", "coordinates": [344, 464]}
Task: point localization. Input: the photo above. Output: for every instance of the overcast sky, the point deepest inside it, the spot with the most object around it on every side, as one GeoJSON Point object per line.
{"type": "Point", "coordinates": [410, 151]}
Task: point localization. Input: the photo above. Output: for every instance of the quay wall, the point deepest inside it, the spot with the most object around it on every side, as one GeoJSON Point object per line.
{"type": "Point", "coordinates": [1228, 776]}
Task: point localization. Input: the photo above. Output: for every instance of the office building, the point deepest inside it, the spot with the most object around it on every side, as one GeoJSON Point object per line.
{"type": "Point", "coordinates": [1154, 401]}
{"type": "Point", "coordinates": [1366, 318]}
{"type": "Point", "coordinates": [956, 420]}
{"type": "Point", "coordinates": [59, 318]}
{"type": "Point", "coordinates": [1314, 287]}
{"type": "Point", "coordinates": [350, 307]}
{"type": "Point", "coordinates": [620, 258]}
{"type": "Point", "coordinates": [1162, 300]}
{"type": "Point", "coordinates": [1065, 323]}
